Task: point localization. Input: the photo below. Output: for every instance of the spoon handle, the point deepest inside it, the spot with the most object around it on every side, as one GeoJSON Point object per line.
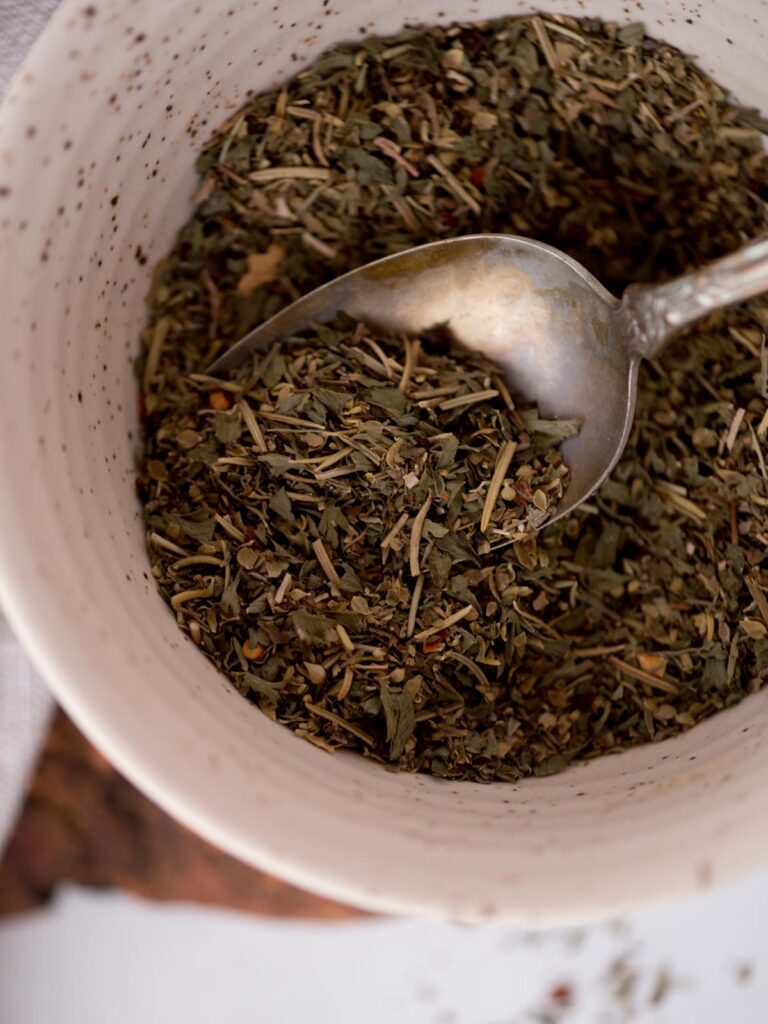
{"type": "Point", "coordinates": [652, 314]}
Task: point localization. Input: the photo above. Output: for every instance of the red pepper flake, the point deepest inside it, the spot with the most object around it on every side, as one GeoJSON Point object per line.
{"type": "Point", "coordinates": [435, 642]}
{"type": "Point", "coordinates": [477, 176]}
{"type": "Point", "coordinates": [524, 492]}
{"type": "Point", "coordinates": [561, 995]}
{"type": "Point", "coordinates": [220, 401]}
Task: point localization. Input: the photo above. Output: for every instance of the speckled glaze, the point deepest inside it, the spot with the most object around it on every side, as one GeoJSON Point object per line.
{"type": "Point", "coordinates": [97, 142]}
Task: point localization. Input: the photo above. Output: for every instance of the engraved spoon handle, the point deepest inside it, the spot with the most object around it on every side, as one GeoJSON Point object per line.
{"type": "Point", "coordinates": [651, 314]}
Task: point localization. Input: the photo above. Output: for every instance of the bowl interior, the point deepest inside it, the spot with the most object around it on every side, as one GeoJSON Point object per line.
{"type": "Point", "coordinates": [97, 142]}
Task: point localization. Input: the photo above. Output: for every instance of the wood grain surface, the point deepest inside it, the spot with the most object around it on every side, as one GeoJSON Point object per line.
{"type": "Point", "coordinates": [83, 822]}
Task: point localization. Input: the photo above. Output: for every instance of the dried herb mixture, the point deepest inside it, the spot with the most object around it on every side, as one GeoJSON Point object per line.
{"type": "Point", "coordinates": [630, 621]}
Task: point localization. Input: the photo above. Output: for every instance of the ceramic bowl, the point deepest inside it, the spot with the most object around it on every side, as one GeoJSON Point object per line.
{"type": "Point", "coordinates": [98, 137]}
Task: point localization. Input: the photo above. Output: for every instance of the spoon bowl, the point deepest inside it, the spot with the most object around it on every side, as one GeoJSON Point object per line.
{"type": "Point", "coordinates": [560, 338]}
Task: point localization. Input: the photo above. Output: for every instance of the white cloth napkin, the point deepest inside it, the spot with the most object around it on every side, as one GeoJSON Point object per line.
{"type": "Point", "coordinates": [25, 704]}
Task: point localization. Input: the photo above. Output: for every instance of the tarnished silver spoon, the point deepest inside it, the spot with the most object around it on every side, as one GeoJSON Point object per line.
{"type": "Point", "coordinates": [562, 340]}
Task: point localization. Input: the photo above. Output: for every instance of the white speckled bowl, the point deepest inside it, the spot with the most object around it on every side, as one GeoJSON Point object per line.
{"type": "Point", "coordinates": [96, 163]}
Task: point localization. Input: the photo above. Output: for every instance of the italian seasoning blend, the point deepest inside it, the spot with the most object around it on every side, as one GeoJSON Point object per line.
{"type": "Point", "coordinates": [344, 526]}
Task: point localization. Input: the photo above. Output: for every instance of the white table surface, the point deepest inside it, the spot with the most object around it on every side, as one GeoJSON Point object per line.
{"type": "Point", "coordinates": [106, 958]}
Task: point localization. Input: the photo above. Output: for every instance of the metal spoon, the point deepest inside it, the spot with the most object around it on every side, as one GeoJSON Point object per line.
{"type": "Point", "coordinates": [562, 340]}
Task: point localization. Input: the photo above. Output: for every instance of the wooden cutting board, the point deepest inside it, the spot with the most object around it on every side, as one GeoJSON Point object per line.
{"type": "Point", "coordinates": [82, 822]}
